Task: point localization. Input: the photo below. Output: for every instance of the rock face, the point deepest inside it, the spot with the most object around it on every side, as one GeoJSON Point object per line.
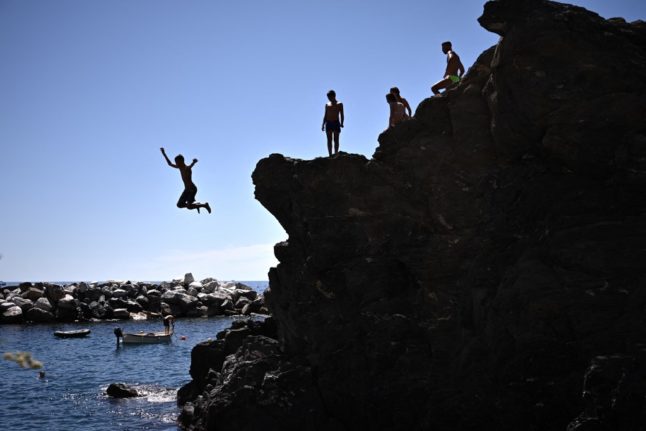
{"type": "Point", "coordinates": [467, 275]}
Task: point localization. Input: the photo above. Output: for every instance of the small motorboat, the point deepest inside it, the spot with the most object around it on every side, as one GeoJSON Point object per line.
{"type": "Point", "coordinates": [143, 337]}
{"type": "Point", "coordinates": [78, 333]}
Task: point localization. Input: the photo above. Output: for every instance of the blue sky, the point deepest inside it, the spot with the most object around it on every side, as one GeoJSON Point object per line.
{"type": "Point", "coordinates": [89, 91]}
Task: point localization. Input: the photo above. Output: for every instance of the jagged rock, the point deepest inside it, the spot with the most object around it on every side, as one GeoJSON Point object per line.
{"type": "Point", "coordinates": [463, 276]}
{"type": "Point", "coordinates": [121, 390]}
{"type": "Point", "coordinates": [188, 278]}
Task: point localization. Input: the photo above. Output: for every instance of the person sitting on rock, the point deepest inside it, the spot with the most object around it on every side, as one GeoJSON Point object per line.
{"type": "Point", "coordinates": [333, 121]}
{"type": "Point", "coordinates": [454, 69]}
{"type": "Point", "coordinates": [397, 110]}
{"type": "Point", "coordinates": [395, 92]}
{"type": "Point", "coordinates": [169, 323]}
{"type": "Point", "coordinates": [187, 199]}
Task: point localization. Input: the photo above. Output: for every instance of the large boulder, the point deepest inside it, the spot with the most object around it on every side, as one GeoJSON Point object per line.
{"type": "Point", "coordinates": [32, 294]}
{"type": "Point", "coordinates": [67, 302]}
{"type": "Point", "coordinates": [39, 315]}
{"type": "Point", "coordinates": [12, 315]}
{"type": "Point", "coordinates": [119, 293]}
{"type": "Point", "coordinates": [188, 278]}
{"type": "Point", "coordinates": [24, 304]}
{"type": "Point", "coordinates": [99, 310]}
{"type": "Point", "coordinates": [44, 304]}
{"type": "Point", "coordinates": [121, 313]}
{"type": "Point", "coordinates": [54, 292]}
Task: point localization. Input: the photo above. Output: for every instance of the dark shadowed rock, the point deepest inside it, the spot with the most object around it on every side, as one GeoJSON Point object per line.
{"type": "Point", "coordinates": [39, 315]}
{"type": "Point", "coordinates": [121, 390]}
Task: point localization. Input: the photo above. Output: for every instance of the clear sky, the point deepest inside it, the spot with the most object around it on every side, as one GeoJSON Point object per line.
{"type": "Point", "coordinates": [89, 91]}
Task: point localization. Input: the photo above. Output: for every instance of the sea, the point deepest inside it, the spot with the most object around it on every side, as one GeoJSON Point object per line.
{"type": "Point", "coordinates": [77, 371]}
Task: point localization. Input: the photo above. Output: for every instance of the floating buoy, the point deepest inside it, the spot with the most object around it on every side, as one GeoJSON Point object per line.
{"type": "Point", "coordinates": [183, 337]}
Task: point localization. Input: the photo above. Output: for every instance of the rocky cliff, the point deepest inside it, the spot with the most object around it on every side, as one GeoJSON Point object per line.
{"type": "Point", "coordinates": [482, 271]}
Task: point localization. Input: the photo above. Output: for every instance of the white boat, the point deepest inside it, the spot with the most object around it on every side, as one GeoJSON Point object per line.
{"type": "Point", "coordinates": [146, 337]}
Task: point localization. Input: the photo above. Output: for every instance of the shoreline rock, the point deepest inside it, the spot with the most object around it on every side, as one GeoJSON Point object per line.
{"type": "Point", "coordinates": [111, 300]}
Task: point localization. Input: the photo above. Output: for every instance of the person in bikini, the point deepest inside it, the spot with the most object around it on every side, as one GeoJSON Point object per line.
{"type": "Point", "coordinates": [454, 69]}
{"type": "Point", "coordinates": [397, 110]}
{"type": "Point", "coordinates": [187, 199]}
{"type": "Point", "coordinates": [395, 91]}
{"type": "Point", "coordinates": [332, 121]}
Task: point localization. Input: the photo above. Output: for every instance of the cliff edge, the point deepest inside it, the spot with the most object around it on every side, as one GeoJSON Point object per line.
{"type": "Point", "coordinates": [480, 270]}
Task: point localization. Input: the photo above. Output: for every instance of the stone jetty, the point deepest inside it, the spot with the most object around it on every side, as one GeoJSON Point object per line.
{"type": "Point", "coordinates": [122, 300]}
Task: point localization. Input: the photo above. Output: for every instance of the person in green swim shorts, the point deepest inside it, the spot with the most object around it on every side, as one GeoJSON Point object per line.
{"type": "Point", "coordinates": [454, 69]}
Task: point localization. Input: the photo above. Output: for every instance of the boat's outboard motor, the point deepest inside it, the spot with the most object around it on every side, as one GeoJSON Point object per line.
{"type": "Point", "coordinates": [119, 334]}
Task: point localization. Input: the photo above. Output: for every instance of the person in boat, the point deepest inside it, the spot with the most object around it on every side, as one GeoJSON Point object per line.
{"type": "Point", "coordinates": [333, 119]}
{"type": "Point", "coordinates": [395, 92]}
{"type": "Point", "coordinates": [187, 199]}
{"type": "Point", "coordinates": [169, 323]}
{"type": "Point", "coordinates": [454, 69]}
{"type": "Point", "coordinates": [397, 111]}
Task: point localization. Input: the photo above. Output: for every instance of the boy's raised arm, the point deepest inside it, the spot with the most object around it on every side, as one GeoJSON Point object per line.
{"type": "Point", "coordinates": [193, 163]}
{"type": "Point", "coordinates": [167, 159]}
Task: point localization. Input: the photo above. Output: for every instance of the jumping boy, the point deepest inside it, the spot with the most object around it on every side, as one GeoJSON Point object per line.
{"type": "Point", "coordinates": [187, 199]}
{"type": "Point", "coordinates": [332, 121]}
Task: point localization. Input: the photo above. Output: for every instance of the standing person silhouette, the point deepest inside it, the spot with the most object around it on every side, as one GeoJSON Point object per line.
{"type": "Point", "coordinates": [395, 91]}
{"type": "Point", "coordinates": [397, 110]}
{"type": "Point", "coordinates": [187, 199]}
{"type": "Point", "coordinates": [454, 69]}
{"type": "Point", "coordinates": [333, 121]}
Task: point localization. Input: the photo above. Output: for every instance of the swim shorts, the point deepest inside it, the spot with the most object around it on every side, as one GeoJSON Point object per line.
{"type": "Point", "coordinates": [333, 126]}
{"type": "Point", "coordinates": [454, 78]}
{"type": "Point", "coordinates": [187, 197]}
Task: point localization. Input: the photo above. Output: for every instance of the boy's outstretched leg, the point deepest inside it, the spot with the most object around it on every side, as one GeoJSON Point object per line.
{"type": "Point", "coordinates": [208, 207]}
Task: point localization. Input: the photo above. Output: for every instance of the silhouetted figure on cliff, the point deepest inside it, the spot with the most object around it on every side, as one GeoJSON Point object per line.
{"type": "Point", "coordinates": [454, 69]}
{"type": "Point", "coordinates": [397, 110]}
{"type": "Point", "coordinates": [332, 121]}
{"type": "Point", "coordinates": [395, 91]}
{"type": "Point", "coordinates": [187, 199]}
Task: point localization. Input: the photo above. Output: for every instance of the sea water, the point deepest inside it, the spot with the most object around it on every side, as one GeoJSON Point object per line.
{"type": "Point", "coordinates": [71, 396]}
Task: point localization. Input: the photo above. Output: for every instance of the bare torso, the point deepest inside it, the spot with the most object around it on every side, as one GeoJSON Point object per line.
{"type": "Point", "coordinates": [187, 176]}
{"type": "Point", "coordinates": [332, 111]}
{"type": "Point", "coordinates": [453, 63]}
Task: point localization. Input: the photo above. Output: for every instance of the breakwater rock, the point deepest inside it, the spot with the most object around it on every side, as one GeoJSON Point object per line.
{"type": "Point", "coordinates": [46, 302]}
{"type": "Point", "coordinates": [484, 267]}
